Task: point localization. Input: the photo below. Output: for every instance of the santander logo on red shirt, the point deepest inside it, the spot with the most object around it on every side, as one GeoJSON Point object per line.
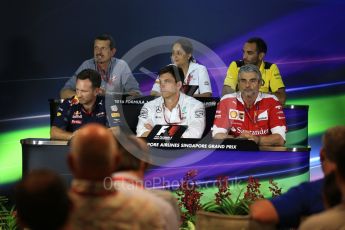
{"type": "Point", "coordinates": [259, 132]}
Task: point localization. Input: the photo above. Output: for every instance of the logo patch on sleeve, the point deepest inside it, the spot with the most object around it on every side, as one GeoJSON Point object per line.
{"type": "Point", "coordinates": [234, 114]}
{"type": "Point", "coordinates": [263, 115]}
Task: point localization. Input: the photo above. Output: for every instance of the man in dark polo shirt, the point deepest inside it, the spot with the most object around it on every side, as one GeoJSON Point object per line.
{"type": "Point", "coordinates": [87, 106]}
{"type": "Point", "coordinates": [306, 199]}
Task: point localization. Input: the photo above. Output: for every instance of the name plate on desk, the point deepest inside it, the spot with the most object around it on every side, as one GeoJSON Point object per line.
{"type": "Point", "coordinates": [205, 143]}
{"type": "Point", "coordinates": [167, 132]}
{"type": "Point", "coordinates": [235, 158]}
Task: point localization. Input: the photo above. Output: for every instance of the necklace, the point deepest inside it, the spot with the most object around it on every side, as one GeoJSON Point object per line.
{"type": "Point", "coordinates": [254, 119]}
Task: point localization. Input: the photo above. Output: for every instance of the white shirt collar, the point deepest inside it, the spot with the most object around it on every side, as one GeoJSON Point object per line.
{"type": "Point", "coordinates": [192, 66]}
{"type": "Point", "coordinates": [239, 97]}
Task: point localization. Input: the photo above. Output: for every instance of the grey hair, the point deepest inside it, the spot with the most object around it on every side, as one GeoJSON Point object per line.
{"type": "Point", "coordinates": [250, 68]}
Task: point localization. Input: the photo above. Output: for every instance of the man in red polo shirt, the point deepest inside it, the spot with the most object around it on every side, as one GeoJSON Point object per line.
{"type": "Point", "coordinates": [249, 113]}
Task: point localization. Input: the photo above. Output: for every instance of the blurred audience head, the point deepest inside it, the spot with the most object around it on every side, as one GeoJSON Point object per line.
{"type": "Point", "coordinates": [42, 201]}
{"type": "Point", "coordinates": [333, 146]}
{"type": "Point", "coordinates": [93, 153]}
{"type": "Point", "coordinates": [335, 150]}
{"type": "Point", "coordinates": [134, 153]}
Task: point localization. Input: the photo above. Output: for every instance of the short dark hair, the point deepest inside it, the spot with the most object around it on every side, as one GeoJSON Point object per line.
{"type": "Point", "coordinates": [175, 71]}
{"type": "Point", "coordinates": [330, 190]}
{"type": "Point", "coordinates": [92, 75]}
{"type": "Point", "coordinates": [42, 200]}
{"type": "Point", "coordinates": [107, 37]}
{"type": "Point", "coordinates": [260, 44]}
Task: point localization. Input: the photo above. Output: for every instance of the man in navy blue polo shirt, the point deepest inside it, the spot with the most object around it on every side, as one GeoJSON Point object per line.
{"type": "Point", "coordinates": [305, 199]}
{"type": "Point", "coordinates": [87, 106]}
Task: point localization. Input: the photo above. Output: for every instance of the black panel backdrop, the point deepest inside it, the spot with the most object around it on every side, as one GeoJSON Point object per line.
{"type": "Point", "coordinates": [43, 42]}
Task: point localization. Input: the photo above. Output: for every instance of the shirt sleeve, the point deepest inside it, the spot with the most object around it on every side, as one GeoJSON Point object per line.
{"type": "Point", "coordinates": [130, 84]}
{"type": "Point", "coordinates": [144, 118]}
{"type": "Point", "coordinates": [276, 80]}
{"type": "Point", "coordinates": [204, 80]}
{"type": "Point", "coordinates": [231, 76]}
{"type": "Point", "coordinates": [221, 122]}
{"type": "Point", "coordinates": [196, 121]}
{"type": "Point", "coordinates": [302, 200]}
{"type": "Point", "coordinates": [277, 121]}
{"type": "Point", "coordinates": [62, 115]}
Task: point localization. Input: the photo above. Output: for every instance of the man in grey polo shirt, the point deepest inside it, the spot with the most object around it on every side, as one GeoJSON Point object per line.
{"type": "Point", "coordinates": [116, 75]}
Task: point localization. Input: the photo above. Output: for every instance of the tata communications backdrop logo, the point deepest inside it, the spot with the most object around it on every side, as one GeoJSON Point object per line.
{"type": "Point", "coordinates": [148, 49]}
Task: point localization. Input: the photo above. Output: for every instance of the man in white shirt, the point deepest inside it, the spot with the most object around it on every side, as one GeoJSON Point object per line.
{"type": "Point", "coordinates": [173, 107]}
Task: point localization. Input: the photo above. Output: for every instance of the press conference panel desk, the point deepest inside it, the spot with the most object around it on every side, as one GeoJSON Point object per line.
{"type": "Point", "coordinates": [233, 158]}
{"type": "Point", "coordinates": [129, 110]}
{"type": "Point", "coordinates": [45, 153]}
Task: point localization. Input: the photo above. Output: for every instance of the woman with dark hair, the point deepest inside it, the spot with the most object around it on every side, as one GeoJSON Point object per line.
{"type": "Point", "coordinates": [195, 74]}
